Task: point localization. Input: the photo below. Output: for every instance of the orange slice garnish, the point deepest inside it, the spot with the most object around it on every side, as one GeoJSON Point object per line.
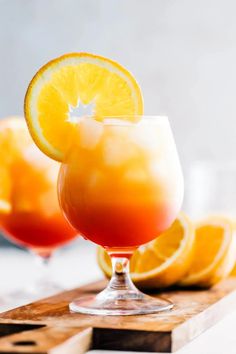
{"type": "Point", "coordinates": [78, 80]}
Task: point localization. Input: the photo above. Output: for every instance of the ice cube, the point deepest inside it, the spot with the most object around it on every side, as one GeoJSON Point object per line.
{"type": "Point", "coordinates": [52, 172]}
{"type": "Point", "coordinates": [151, 136]}
{"type": "Point", "coordinates": [90, 133]}
{"type": "Point", "coordinates": [33, 156]}
{"type": "Point", "coordinates": [146, 138]}
{"type": "Point", "coordinates": [159, 170]}
{"type": "Point", "coordinates": [48, 203]}
{"type": "Point", "coordinates": [117, 151]}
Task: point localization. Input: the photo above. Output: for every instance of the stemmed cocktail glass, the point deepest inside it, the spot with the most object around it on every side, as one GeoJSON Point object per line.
{"type": "Point", "coordinates": [121, 186]}
{"type": "Point", "coordinates": [33, 218]}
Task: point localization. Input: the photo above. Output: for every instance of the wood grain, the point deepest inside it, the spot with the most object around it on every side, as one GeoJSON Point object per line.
{"type": "Point", "coordinates": [66, 332]}
{"type": "Point", "coordinates": [54, 340]}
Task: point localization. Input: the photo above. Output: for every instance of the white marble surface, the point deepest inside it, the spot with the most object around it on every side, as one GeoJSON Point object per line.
{"type": "Point", "coordinates": [70, 267]}
{"type": "Point", "coordinates": [76, 266]}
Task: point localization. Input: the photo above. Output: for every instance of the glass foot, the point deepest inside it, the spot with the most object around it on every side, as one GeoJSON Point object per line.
{"type": "Point", "coordinates": [31, 293]}
{"type": "Point", "coordinates": [43, 289]}
{"type": "Point", "coordinates": [117, 303]}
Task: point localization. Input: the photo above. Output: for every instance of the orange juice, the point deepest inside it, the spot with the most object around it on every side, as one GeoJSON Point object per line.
{"type": "Point", "coordinates": [34, 219]}
{"type": "Point", "coordinates": [37, 231]}
{"type": "Point", "coordinates": [121, 185]}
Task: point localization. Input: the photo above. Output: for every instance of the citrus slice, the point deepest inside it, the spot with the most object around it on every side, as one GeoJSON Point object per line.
{"type": "Point", "coordinates": [214, 253]}
{"type": "Point", "coordinates": [163, 261]}
{"type": "Point", "coordinates": [75, 82]}
{"type": "Point", "coordinates": [233, 272]}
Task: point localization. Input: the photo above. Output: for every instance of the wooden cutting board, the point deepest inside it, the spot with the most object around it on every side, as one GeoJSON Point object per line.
{"type": "Point", "coordinates": [47, 326]}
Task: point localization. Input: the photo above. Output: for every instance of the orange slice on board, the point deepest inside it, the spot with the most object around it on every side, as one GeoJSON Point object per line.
{"type": "Point", "coordinates": [163, 261]}
{"type": "Point", "coordinates": [214, 252]}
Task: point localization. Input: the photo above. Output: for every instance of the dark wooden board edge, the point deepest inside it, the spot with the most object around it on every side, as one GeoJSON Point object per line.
{"type": "Point", "coordinates": [131, 340]}
{"type": "Point", "coordinates": [48, 340]}
{"type": "Point", "coordinates": [199, 323]}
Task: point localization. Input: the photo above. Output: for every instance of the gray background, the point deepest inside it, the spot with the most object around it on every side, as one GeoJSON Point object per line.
{"type": "Point", "coordinates": [183, 53]}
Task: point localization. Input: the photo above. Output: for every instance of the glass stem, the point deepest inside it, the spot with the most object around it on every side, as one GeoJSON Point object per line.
{"type": "Point", "coordinates": [120, 280]}
{"type": "Point", "coordinates": [44, 285]}
{"type": "Point", "coordinates": [43, 262]}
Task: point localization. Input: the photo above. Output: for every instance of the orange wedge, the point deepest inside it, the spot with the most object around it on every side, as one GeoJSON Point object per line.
{"type": "Point", "coordinates": [163, 261]}
{"type": "Point", "coordinates": [214, 253]}
{"type": "Point", "coordinates": [76, 82]}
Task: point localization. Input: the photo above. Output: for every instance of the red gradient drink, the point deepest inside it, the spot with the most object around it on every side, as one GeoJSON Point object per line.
{"type": "Point", "coordinates": [125, 189]}
{"type": "Point", "coordinates": [120, 186]}
{"type": "Point", "coordinates": [33, 218]}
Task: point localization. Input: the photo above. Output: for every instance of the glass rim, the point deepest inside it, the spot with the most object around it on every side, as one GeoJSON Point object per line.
{"type": "Point", "coordinates": [126, 119]}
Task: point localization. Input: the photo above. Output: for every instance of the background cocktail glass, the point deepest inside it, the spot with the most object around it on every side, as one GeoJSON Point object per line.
{"type": "Point", "coordinates": [121, 186]}
{"type": "Point", "coordinates": [211, 189]}
{"type": "Point", "coordinates": [34, 219]}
